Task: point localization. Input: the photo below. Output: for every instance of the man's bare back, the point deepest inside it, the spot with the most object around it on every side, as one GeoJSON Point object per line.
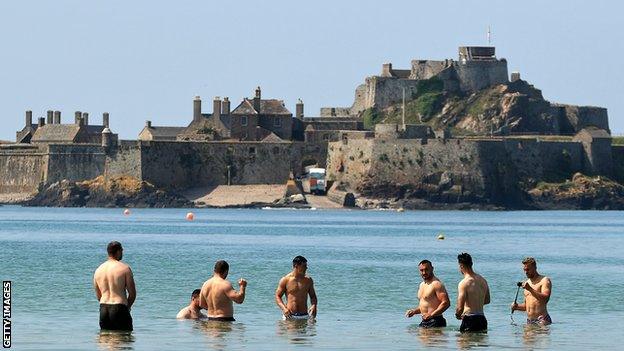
{"type": "Point", "coordinates": [217, 294]}
{"type": "Point", "coordinates": [190, 313]}
{"type": "Point", "coordinates": [111, 280]}
{"type": "Point", "coordinates": [476, 292]}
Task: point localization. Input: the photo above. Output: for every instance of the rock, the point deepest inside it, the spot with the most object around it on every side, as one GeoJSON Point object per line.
{"type": "Point", "coordinates": [297, 198]}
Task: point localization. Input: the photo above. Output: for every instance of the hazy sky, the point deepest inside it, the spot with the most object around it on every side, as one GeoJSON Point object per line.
{"type": "Point", "coordinates": [143, 60]}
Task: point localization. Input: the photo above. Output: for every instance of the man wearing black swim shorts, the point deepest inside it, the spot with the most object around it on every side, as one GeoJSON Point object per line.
{"type": "Point", "coordinates": [472, 294]}
{"type": "Point", "coordinates": [433, 299]}
{"type": "Point", "coordinates": [112, 280]}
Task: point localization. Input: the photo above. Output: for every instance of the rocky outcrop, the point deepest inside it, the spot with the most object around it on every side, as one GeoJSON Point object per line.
{"type": "Point", "coordinates": [101, 192]}
{"type": "Point", "coordinates": [580, 193]}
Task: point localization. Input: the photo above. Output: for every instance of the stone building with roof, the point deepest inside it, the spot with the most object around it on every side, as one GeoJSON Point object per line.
{"type": "Point", "coordinates": [50, 130]}
{"type": "Point", "coordinates": [159, 133]}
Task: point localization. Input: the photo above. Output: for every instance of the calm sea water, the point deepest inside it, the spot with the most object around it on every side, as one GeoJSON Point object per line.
{"type": "Point", "coordinates": [364, 265]}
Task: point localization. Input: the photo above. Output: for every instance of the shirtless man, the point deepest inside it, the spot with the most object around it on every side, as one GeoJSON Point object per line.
{"type": "Point", "coordinates": [193, 310]}
{"type": "Point", "coordinates": [433, 299]}
{"type": "Point", "coordinates": [112, 279]}
{"type": "Point", "coordinates": [472, 294]}
{"type": "Point", "coordinates": [297, 286]}
{"type": "Point", "coordinates": [217, 294]}
{"type": "Point", "coordinates": [536, 294]}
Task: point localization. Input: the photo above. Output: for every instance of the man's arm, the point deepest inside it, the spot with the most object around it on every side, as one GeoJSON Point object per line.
{"type": "Point", "coordinates": [130, 287]}
{"type": "Point", "coordinates": [486, 300]}
{"type": "Point", "coordinates": [98, 293]}
{"type": "Point", "coordinates": [281, 290]}
{"type": "Point", "coordinates": [313, 299]}
{"type": "Point", "coordinates": [239, 296]}
{"type": "Point", "coordinates": [202, 297]}
{"type": "Point", "coordinates": [461, 300]}
{"type": "Point", "coordinates": [542, 296]}
{"type": "Point", "coordinates": [184, 314]}
{"type": "Point", "coordinates": [442, 296]}
{"type": "Point", "coordinates": [414, 311]}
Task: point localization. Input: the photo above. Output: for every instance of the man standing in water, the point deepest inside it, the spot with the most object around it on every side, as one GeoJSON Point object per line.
{"type": "Point", "coordinates": [433, 299]}
{"type": "Point", "coordinates": [472, 294]}
{"type": "Point", "coordinates": [112, 279]}
{"type": "Point", "coordinates": [536, 294]}
{"type": "Point", "coordinates": [217, 294]}
{"type": "Point", "coordinates": [297, 287]}
{"type": "Point", "coordinates": [193, 310]}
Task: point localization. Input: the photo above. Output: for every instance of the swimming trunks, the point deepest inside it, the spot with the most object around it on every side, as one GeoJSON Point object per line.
{"type": "Point", "coordinates": [433, 322]}
{"type": "Point", "coordinates": [473, 323]}
{"type": "Point", "coordinates": [221, 319]}
{"type": "Point", "coordinates": [115, 317]}
{"type": "Point", "coordinates": [541, 320]}
{"type": "Point", "coordinates": [297, 315]}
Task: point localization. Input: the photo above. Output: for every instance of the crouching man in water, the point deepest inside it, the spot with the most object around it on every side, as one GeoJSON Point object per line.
{"type": "Point", "coordinates": [112, 279]}
{"type": "Point", "coordinates": [193, 310]}
{"type": "Point", "coordinates": [433, 299]}
{"type": "Point", "coordinates": [472, 294]}
{"type": "Point", "coordinates": [536, 294]}
{"type": "Point", "coordinates": [297, 286]}
{"type": "Point", "coordinates": [217, 294]}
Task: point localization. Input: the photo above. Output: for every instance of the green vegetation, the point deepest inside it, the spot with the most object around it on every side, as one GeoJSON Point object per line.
{"type": "Point", "coordinates": [485, 101]}
{"type": "Point", "coordinates": [370, 116]}
{"type": "Point", "coordinates": [618, 140]}
{"type": "Point", "coordinates": [567, 185]}
{"type": "Point", "coordinates": [384, 158]}
{"type": "Point", "coordinates": [206, 130]}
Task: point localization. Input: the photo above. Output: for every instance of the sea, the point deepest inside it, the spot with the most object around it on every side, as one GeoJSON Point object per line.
{"type": "Point", "coordinates": [364, 265]}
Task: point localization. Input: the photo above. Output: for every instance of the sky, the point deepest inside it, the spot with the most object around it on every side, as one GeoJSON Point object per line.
{"type": "Point", "coordinates": [146, 60]}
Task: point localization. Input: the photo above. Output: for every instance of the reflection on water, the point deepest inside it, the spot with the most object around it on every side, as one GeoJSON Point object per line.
{"type": "Point", "coordinates": [220, 332]}
{"type": "Point", "coordinates": [115, 340]}
{"type": "Point", "coordinates": [536, 336]}
{"type": "Point", "coordinates": [297, 331]}
{"type": "Point", "coordinates": [437, 337]}
{"type": "Point", "coordinates": [467, 341]}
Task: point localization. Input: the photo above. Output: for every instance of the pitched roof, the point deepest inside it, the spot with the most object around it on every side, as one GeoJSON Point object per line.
{"type": "Point", "coordinates": [272, 138]}
{"type": "Point", "coordinates": [267, 107]}
{"type": "Point", "coordinates": [172, 132]}
{"type": "Point", "coordinates": [56, 132]}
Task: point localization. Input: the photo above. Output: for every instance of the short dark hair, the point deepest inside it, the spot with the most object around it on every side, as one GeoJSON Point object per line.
{"type": "Point", "coordinates": [221, 267]}
{"type": "Point", "coordinates": [299, 260]}
{"type": "Point", "coordinates": [426, 262]}
{"type": "Point", "coordinates": [113, 248]}
{"type": "Point", "coordinates": [529, 261]}
{"type": "Point", "coordinates": [465, 259]}
{"type": "Point", "coordinates": [195, 293]}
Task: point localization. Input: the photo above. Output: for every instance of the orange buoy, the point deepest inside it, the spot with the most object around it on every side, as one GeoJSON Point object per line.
{"type": "Point", "coordinates": [190, 216]}
{"type": "Point", "coordinates": [126, 212]}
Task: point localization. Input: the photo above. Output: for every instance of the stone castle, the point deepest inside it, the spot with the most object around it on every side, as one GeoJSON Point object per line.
{"type": "Point", "coordinates": [261, 142]}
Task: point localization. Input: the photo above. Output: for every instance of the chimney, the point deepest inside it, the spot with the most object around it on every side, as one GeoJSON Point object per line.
{"type": "Point", "coordinates": [216, 107]}
{"type": "Point", "coordinates": [225, 108]}
{"type": "Point", "coordinates": [256, 100]}
{"type": "Point", "coordinates": [105, 120]}
{"type": "Point", "coordinates": [50, 119]}
{"type": "Point", "coordinates": [299, 109]}
{"type": "Point", "coordinates": [515, 76]}
{"type": "Point", "coordinates": [41, 122]}
{"type": "Point", "coordinates": [85, 118]}
{"type": "Point", "coordinates": [28, 118]}
{"type": "Point", "coordinates": [197, 108]}
{"type": "Point", "coordinates": [77, 117]}
{"type": "Point", "coordinates": [386, 70]}
{"type": "Point", "coordinates": [57, 117]}
{"type": "Point", "coordinates": [148, 124]}
{"type": "Point", "coordinates": [81, 121]}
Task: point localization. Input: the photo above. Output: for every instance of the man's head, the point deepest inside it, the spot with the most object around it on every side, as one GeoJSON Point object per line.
{"type": "Point", "coordinates": [426, 269]}
{"type": "Point", "coordinates": [529, 267]}
{"type": "Point", "coordinates": [195, 297]}
{"type": "Point", "coordinates": [222, 268]}
{"type": "Point", "coordinates": [465, 262]}
{"type": "Point", "coordinates": [115, 250]}
{"type": "Point", "coordinates": [300, 264]}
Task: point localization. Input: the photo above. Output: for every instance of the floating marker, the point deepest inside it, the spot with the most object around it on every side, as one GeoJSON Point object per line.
{"type": "Point", "coordinates": [190, 216]}
{"type": "Point", "coordinates": [441, 236]}
{"type": "Point", "coordinates": [126, 212]}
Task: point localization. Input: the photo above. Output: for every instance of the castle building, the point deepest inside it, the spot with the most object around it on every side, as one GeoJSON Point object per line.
{"type": "Point", "coordinates": [50, 130]}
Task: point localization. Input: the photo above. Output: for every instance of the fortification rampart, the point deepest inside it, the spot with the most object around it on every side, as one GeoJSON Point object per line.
{"type": "Point", "coordinates": [74, 162]}
{"type": "Point", "coordinates": [21, 168]}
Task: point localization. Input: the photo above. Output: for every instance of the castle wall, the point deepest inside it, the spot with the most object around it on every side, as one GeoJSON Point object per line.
{"type": "Point", "coordinates": [580, 117]}
{"type": "Point", "coordinates": [124, 160]}
{"type": "Point", "coordinates": [187, 164]}
{"type": "Point", "coordinates": [74, 162]}
{"type": "Point", "coordinates": [425, 69]}
{"type": "Point", "coordinates": [477, 75]}
{"type": "Point", "coordinates": [618, 162]}
{"type": "Point", "coordinates": [21, 169]}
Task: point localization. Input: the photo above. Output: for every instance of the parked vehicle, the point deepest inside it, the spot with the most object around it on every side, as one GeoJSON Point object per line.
{"type": "Point", "coordinates": [316, 181]}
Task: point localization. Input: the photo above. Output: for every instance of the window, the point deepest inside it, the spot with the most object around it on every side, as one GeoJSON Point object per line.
{"type": "Point", "coordinates": [252, 150]}
{"type": "Point", "coordinates": [277, 122]}
{"type": "Point", "coordinates": [244, 121]}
